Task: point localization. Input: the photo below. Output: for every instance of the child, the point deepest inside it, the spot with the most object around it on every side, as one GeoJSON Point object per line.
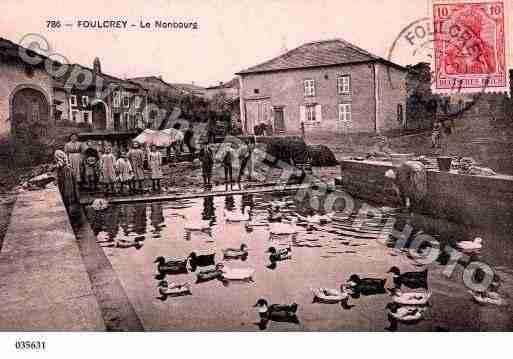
{"type": "Point", "coordinates": [124, 172]}
{"type": "Point", "coordinates": [436, 135]}
{"type": "Point", "coordinates": [228, 163]}
{"type": "Point", "coordinates": [136, 157]}
{"type": "Point", "coordinates": [188, 138]}
{"type": "Point", "coordinates": [206, 157]}
{"type": "Point", "coordinates": [155, 163]}
{"type": "Point", "coordinates": [108, 171]}
{"type": "Point", "coordinates": [91, 170]}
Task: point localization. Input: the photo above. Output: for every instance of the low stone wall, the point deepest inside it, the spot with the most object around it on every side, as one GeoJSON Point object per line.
{"type": "Point", "coordinates": [465, 199]}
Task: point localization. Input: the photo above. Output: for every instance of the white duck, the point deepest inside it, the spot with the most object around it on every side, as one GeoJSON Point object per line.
{"type": "Point", "coordinates": [100, 204]}
{"type": "Point", "coordinates": [281, 228]}
{"type": "Point", "coordinates": [128, 242]}
{"type": "Point", "coordinates": [410, 298]}
{"type": "Point", "coordinates": [329, 295]}
{"type": "Point", "coordinates": [192, 225]}
{"type": "Point", "coordinates": [317, 218]}
{"type": "Point", "coordinates": [237, 216]}
{"type": "Point", "coordinates": [236, 273]}
{"type": "Point", "coordinates": [470, 246]}
{"type": "Point", "coordinates": [405, 314]}
{"type": "Point", "coordinates": [487, 297]}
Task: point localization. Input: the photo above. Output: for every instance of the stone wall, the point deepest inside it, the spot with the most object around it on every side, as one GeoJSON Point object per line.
{"type": "Point", "coordinates": [13, 77]}
{"type": "Point", "coordinates": [464, 199]}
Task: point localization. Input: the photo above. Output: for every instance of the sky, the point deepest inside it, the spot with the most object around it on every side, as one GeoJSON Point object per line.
{"type": "Point", "coordinates": [232, 34]}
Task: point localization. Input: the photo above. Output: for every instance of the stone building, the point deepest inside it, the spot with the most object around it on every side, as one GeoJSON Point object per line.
{"type": "Point", "coordinates": [101, 101]}
{"type": "Point", "coordinates": [327, 85]}
{"type": "Point", "coordinates": [27, 100]}
{"type": "Point", "coordinates": [229, 89]}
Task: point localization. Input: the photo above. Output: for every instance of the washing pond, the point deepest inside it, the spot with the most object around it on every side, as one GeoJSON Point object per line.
{"type": "Point", "coordinates": [322, 256]}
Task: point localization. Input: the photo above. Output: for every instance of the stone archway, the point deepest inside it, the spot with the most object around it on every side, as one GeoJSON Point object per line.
{"type": "Point", "coordinates": [30, 122]}
{"type": "Point", "coordinates": [99, 120]}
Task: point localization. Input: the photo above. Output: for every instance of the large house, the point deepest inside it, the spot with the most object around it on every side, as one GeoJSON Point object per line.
{"type": "Point", "coordinates": [327, 85]}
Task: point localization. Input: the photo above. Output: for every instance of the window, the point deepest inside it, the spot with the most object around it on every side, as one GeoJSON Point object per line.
{"type": "Point", "coordinates": [344, 84]}
{"type": "Point", "coordinates": [126, 99]}
{"type": "Point", "coordinates": [138, 102]}
{"type": "Point", "coordinates": [85, 101]}
{"type": "Point", "coordinates": [311, 114]}
{"type": "Point", "coordinates": [87, 116]}
{"type": "Point", "coordinates": [256, 91]}
{"type": "Point", "coordinates": [139, 120]}
{"type": "Point", "coordinates": [73, 100]}
{"type": "Point", "coordinates": [344, 113]}
{"type": "Point", "coordinates": [117, 98]}
{"type": "Point", "coordinates": [126, 117]}
{"type": "Point", "coordinates": [75, 116]}
{"type": "Point", "coordinates": [309, 87]}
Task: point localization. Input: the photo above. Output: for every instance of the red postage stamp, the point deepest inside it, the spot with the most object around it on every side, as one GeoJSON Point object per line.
{"type": "Point", "coordinates": [469, 47]}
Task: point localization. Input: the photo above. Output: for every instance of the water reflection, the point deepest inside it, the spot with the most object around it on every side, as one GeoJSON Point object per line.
{"type": "Point", "coordinates": [209, 211]}
{"type": "Point", "coordinates": [157, 219]}
{"type": "Point", "coordinates": [333, 250]}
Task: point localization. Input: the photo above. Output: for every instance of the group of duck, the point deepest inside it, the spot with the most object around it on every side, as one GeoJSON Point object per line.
{"type": "Point", "coordinates": [406, 306]}
{"type": "Point", "coordinates": [220, 271]}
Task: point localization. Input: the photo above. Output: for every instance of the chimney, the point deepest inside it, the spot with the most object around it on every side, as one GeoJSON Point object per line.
{"type": "Point", "coordinates": [192, 82]}
{"type": "Point", "coordinates": [220, 83]}
{"type": "Point", "coordinates": [160, 77]}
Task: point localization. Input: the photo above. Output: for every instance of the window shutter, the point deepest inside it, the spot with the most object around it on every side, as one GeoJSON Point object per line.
{"type": "Point", "coordinates": [302, 113]}
{"type": "Point", "coordinates": [318, 113]}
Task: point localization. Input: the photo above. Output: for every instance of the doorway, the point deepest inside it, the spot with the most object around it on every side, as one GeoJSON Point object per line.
{"type": "Point", "coordinates": [279, 121]}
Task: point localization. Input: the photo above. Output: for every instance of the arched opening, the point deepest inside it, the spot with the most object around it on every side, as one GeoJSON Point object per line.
{"type": "Point", "coordinates": [30, 114]}
{"type": "Point", "coordinates": [99, 116]}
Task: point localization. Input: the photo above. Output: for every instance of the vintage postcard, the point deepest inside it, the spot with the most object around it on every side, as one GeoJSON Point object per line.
{"type": "Point", "coordinates": [240, 166]}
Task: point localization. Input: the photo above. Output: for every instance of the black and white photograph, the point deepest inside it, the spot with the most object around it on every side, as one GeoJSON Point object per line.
{"type": "Point", "coordinates": [269, 166]}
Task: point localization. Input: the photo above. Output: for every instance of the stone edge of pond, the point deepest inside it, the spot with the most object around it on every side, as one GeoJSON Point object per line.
{"type": "Point", "coordinates": [116, 309]}
{"type": "Point", "coordinates": [44, 280]}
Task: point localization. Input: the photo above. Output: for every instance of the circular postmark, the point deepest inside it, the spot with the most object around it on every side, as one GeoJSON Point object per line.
{"type": "Point", "coordinates": [422, 44]}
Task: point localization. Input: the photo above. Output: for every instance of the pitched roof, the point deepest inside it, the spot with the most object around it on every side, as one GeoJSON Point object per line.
{"type": "Point", "coordinates": [188, 87]}
{"type": "Point", "coordinates": [233, 83]}
{"type": "Point", "coordinates": [316, 54]}
{"type": "Point", "coordinates": [153, 79]}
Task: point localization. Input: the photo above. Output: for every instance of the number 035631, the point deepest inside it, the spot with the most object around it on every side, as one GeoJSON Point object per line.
{"type": "Point", "coordinates": [30, 345]}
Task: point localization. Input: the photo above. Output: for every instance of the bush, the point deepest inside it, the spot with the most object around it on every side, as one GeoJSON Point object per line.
{"type": "Point", "coordinates": [321, 155]}
{"type": "Point", "coordinates": [286, 149]}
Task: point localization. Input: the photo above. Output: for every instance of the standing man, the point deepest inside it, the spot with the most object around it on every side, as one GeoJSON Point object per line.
{"type": "Point", "coordinates": [207, 163]}
{"type": "Point", "coordinates": [211, 129]}
{"type": "Point", "coordinates": [188, 138]}
{"type": "Point", "coordinates": [136, 157]}
{"type": "Point", "coordinates": [245, 158]}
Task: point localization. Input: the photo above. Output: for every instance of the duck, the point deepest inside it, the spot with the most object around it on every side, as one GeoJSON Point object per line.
{"type": "Point", "coordinates": [279, 254]}
{"type": "Point", "coordinates": [209, 274]}
{"type": "Point", "coordinates": [411, 280]}
{"type": "Point", "coordinates": [328, 295]}
{"type": "Point", "coordinates": [279, 203]}
{"type": "Point", "coordinates": [236, 274]}
{"type": "Point", "coordinates": [171, 265]}
{"type": "Point", "coordinates": [99, 204]}
{"type": "Point", "coordinates": [366, 286]}
{"type": "Point", "coordinates": [274, 216]}
{"type": "Point", "coordinates": [470, 247]}
{"type": "Point", "coordinates": [487, 297]}
{"type": "Point", "coordinates": [410, 298]}
{"type": "Point", "coordinates": [173, 289]}
{"type": "Point", "coordinates": [405, 314]}
{"type": "Point", "coordinates": [233, 253]}
{"type": "Point", "coordinates": [128, 242]}
{"type": "Point", "coordinates": [281, 228]}
{"type": "Point", "coordinates": [276, 312]}
{"type": "Point", "coordinates": [202, 260]}
{"type": "Point", "coordinates": [194, 225]}
{"type": "Point", "coordinates": [237, 216]}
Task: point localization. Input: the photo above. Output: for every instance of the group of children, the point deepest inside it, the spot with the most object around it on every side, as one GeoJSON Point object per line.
{"type": "Point", "coordinates": [125, 171]}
